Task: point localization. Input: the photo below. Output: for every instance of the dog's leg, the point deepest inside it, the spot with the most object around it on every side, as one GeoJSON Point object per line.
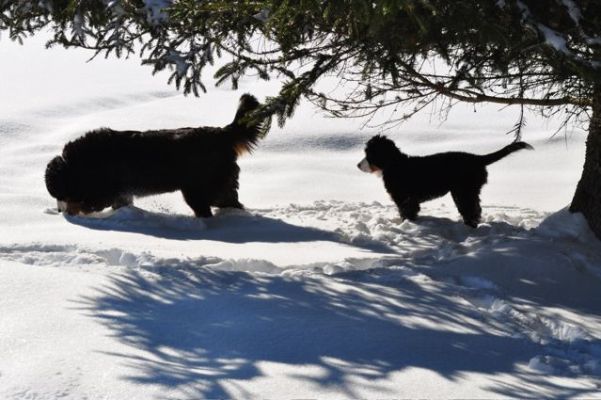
{"type": "Point", "coordinates": [123, 201]}
{"type": "Point", "coordinates": [409, 209]}
{"type": "Point", "coordinates": [468, 204]}
{"type": "Point", "coordinates": [229, 199]}
{"type": "Point", "coordinates": [229, 193]}
{"type": "Point", "coordinates": [197, 202]}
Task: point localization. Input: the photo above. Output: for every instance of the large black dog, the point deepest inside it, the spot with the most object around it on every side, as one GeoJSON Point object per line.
{"type": "Point", "coordinates": [107, 168]}
{"type": "Point", "coordinates": [413, 180]}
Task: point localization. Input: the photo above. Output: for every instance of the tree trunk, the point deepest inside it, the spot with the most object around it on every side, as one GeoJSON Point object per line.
{"type": "Point", "coordinates": [587, 198]}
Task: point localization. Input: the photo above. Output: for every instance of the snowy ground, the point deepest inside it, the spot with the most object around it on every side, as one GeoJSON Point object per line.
{"type": "Point", "coordinates": [318, 290]}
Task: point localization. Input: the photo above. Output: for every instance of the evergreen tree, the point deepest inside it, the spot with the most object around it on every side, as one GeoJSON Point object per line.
{"type": "Point", "coordinates": [403, 54]}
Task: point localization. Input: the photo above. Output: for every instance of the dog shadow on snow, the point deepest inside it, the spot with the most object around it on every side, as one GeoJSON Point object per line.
{"type": "Point", "coordinates": [229, 225]}
{"type": "Point", "coordinates": [202, 333]}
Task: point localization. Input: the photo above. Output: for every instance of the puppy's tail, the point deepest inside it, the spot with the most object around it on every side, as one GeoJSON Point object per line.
{"type": "Point", "coordinates": [249, 124]}
{"type": "Point", "coordinates": [56, 178]}
{"type": "Point", "coordinates": [504, 152]}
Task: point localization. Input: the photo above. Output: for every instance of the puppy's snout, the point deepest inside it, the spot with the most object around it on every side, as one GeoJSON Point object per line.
{"type": "Point", "coordinates": [364, 165]}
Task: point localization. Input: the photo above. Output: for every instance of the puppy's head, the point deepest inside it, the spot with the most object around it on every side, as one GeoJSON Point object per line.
{"type": "Point", "coordinates": [380, 152]}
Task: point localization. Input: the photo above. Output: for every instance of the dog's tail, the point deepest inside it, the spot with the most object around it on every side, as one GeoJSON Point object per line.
{"type": "Point", "coordinates": [56, 178]}
{"type": "Point", "coordinates": [504, 152]}
{"type": "Point", "coordinates": [248, 125]}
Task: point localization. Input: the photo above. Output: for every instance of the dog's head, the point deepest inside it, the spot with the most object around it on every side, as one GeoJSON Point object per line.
{"type": "Point", "coordinates": [380, 152]}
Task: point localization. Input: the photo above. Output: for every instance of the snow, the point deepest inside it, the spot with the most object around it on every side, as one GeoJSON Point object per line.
{"type": "Point", "coordinates": [262, 15]}
{"type": "Point", "coordinates": [317, 290]}
{"type": "Point", "coordinates": [155, 11]}
{"type": "Point", "coordinates": [556, 40]}
{"type": "Point", "coordinates": [573, 10]}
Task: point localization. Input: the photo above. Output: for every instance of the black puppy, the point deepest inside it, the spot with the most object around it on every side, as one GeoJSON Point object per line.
{"type": "Point", "coordinates": [107, 168]}
{"type": "Point", "coordinates": [413, 180]}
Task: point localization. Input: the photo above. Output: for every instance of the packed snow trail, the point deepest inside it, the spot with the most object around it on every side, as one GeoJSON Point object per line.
{"type": "Point", "coordinates": [503, 310]}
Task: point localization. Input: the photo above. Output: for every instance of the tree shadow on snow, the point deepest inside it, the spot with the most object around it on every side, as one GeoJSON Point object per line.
{"type": "Point", "coordinates": [231, 226]}
{"type": "Point", "coordinates": [529, 267]}
{"type": "Point", "coordinates": [199, 332]}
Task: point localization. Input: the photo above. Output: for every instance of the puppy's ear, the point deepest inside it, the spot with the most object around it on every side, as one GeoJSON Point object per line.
{"type": "Point", "coordinates": [381, 152]}
{"type": "Point", "coordinates": [376, 139]}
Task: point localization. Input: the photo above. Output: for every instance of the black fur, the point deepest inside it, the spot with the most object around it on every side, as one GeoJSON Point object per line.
{"type": "Point", "coordinates": [413, 180]}
{"type": "Point", "coordinates": [105, 168]}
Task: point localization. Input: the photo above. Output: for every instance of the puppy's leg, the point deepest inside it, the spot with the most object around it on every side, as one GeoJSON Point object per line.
{"type": "Point", "coordinates": [197, 202]}
{"type": "Point", "coordinates": [409, 209]}
{"type": "Point", "coordinates": [123, 201]}
{"type": "Point", "coordinates": [468, 204]}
